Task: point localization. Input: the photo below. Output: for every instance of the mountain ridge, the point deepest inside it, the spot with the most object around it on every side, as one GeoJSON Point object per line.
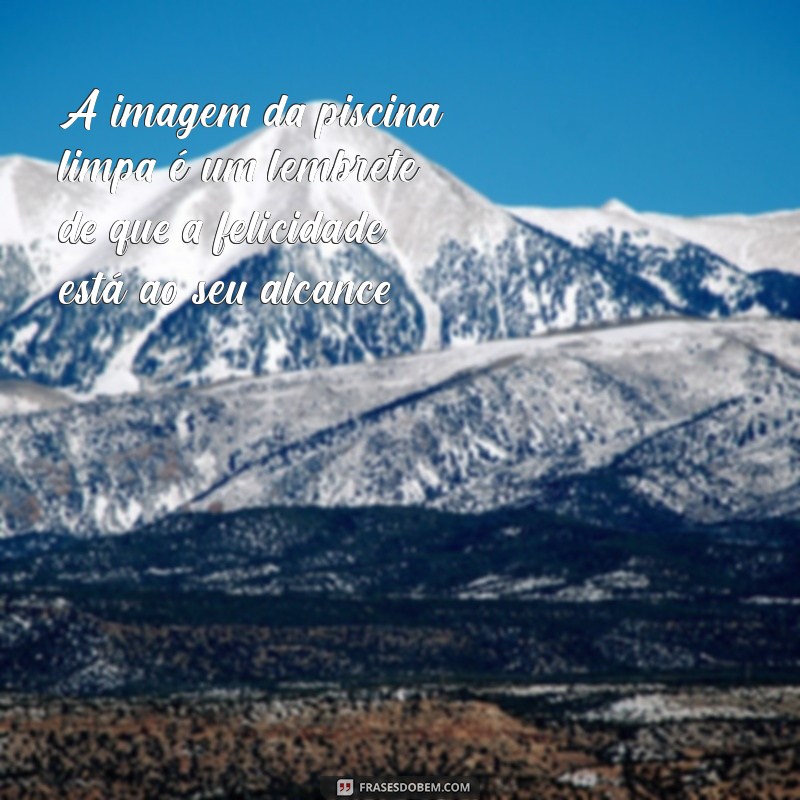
{"type": "Point", "coordinates": [463, 270]}
{"type": "Point", "coordinates": [753, 242]}
{"type": "Point", "coordinates": [552, 421]}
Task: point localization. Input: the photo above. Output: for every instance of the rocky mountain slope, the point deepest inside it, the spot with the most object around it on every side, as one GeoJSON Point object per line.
{"type": "Point", "coordinates": [677, 422]}
{"type": "Point", "coordinates": [523, 746]}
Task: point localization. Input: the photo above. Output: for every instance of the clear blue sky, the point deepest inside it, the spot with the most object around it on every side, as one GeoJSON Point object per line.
{"type": "Point", "coordinates": [684, 107]}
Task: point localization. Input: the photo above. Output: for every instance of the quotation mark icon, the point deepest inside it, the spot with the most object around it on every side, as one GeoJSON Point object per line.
{"type": "Point", "coordinates": [344, 787]}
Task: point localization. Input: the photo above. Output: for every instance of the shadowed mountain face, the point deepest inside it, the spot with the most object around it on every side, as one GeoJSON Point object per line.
{"type": "Point", "coordinates": [235, 599]}
{"type": "Point", "coordinates": [518, 554]}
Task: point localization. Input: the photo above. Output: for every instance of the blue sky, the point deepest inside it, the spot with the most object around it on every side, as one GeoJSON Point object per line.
{"type": "Point", "coordinates": [682, 107]}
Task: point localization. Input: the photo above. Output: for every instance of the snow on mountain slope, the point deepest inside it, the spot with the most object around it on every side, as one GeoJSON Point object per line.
{"type": "Point", "coordinates": [688, 420]}
{"type": "Point", "coordinates": [578, 225]}
{"type": "Point", "coordinates": [717, 417]}
{"type": "Point", "coordinates": [752, 243]}
{"type": "Point", "coordinates": [462, 271]}
{"type": "Point", "coordinates": [419, 215]}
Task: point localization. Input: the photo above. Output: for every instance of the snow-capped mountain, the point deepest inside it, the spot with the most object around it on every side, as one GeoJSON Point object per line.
{"type": "Point", "coordinates": [753, 243]}
{"type": "Point", "coordinates": [661, 424]}
{"type": "Point", "coordinates": [462, 269]}
{"type": "Point", "coordinates": [447, 398]}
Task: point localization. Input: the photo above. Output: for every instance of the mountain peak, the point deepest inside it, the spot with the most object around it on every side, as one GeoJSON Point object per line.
{"type": "Point", "coordinates": [615, 206]}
